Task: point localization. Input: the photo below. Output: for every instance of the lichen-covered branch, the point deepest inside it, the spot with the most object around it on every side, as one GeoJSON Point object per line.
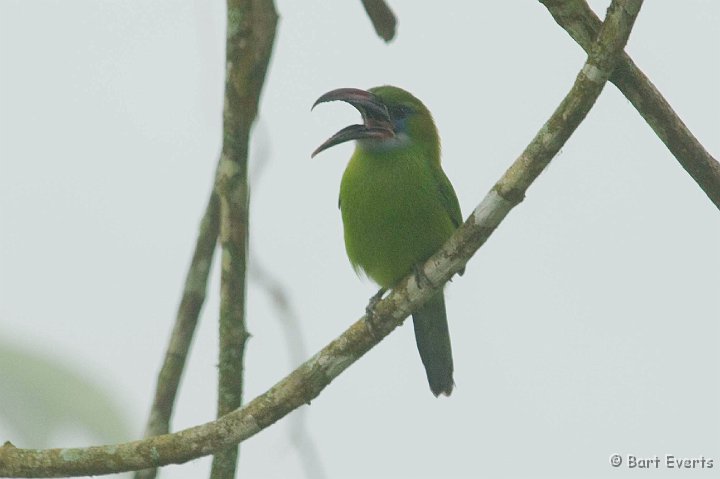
{"type": "Point", "coordinates": [382, 18]}
{"type": "Point", "coordinates": [251, 28]}
{"type": "Point", "coordinates": [184, 328]}
{"type": "Point", "coordinates": [578, 19]}
{"type": "Point", "coordinates": [307, 381]}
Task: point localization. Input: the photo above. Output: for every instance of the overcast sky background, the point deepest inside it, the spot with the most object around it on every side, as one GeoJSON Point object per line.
{"type": "Point", "coordinates": [588, 325]}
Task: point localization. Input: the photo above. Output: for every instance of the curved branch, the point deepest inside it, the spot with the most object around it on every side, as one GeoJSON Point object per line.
{"type": "Point", "coordinates": [307, 381]}
{"type": "Point", "coordinates": [578, 19]}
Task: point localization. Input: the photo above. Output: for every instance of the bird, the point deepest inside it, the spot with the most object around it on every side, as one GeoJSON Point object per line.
{"type": "Point", "coordinates": [398, 206]}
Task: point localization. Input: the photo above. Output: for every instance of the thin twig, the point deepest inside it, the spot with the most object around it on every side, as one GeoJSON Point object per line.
{"type": "Point", "coordinates": [184, 328]}
{"type": "Point", "coordinates": [382, 18]}
{"type": "Point", "coordinates": [578, 19]}
{"type": "Point", "coordinates": [308, 380]}
{"type": "Point", "coordinates": [251, 28]}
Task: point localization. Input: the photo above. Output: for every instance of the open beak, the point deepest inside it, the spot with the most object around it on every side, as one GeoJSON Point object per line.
{"type": "Point", "coordinates": [376, 120]}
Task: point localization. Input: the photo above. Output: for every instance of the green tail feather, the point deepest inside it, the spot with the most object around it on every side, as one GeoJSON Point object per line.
{"type": "Point", "coordinates": [433, 342]}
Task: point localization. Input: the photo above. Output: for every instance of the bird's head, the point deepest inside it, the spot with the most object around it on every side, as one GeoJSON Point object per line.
{"type": "Point", "coordinates": [392, 118]}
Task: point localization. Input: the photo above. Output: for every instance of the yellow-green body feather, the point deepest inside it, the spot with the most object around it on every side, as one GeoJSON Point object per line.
{"type": "Point", "coordinates": [396, 212]}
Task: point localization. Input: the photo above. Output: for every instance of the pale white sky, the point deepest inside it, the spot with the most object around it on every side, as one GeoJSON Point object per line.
{"type": "Point", "coordinates": [588, 325]}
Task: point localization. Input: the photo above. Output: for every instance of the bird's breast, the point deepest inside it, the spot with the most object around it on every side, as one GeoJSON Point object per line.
{"type": "Point", "coordinates": [393, 214]}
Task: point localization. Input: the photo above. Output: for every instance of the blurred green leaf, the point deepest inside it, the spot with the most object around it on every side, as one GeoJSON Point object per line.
{"type": "Point", "coordinates": [40, 396]}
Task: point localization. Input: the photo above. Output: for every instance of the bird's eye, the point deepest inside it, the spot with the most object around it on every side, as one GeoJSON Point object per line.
{"type": "Point", "coordinates": [401, 111]}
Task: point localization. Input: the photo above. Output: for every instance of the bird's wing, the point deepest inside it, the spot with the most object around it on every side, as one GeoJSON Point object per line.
{"type": "Point", "coordinates": [449, 198]}
{"type": "Point", "coordinates": [450, 201]}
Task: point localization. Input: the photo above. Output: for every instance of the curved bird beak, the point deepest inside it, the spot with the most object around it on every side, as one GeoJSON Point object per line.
{"type": "Point", "coordinates": [376, 120]}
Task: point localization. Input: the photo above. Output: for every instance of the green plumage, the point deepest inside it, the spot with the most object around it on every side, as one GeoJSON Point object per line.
{"type": "Point", "coordinates": [394, 213]}
{"type": "Point", "coordinates": [398, 208]}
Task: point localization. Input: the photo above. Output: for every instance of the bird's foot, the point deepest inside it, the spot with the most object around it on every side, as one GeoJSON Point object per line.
{"type": "Point", "coordinates": [421, 278]}
{"type": "Point", "coordinates": [370, 314]}
{"type": "Point", "coordinates": [374, 300]}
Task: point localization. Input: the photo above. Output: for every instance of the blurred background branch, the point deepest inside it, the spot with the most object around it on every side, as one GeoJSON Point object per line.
{"type": "Point", "coordinates": [382, 18]}
{"type": "Point", "coordinates": [300, 436]}
{"type": "Point", "coordinates": [289, 318]}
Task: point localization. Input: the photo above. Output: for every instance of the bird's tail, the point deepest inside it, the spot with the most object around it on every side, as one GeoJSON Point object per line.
{"type": "Point", "coordinates": [433, 342]}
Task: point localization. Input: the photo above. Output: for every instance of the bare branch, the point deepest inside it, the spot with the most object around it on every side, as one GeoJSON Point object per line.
{"type": "Point", "coordinates": [382, 18]}
{"type": "Point", "coordinates": [578, 19]}
{"type": "Point", "coordinates": [251, 28]}
{"type": "Point", "coordinates": [307, 381]}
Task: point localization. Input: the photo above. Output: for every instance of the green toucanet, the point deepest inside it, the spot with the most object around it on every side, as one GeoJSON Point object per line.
{"type": "Point", "coordinates": [397, 206]}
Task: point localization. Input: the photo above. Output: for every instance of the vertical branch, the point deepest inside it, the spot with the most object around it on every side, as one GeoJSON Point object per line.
{"type": "Point", "coordinates": [251, 28]}
{"type": "Point", "coordinates": [184, 328]}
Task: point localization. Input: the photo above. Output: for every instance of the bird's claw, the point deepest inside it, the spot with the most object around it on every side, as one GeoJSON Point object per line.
{"type": "Point", "coordinates": [370, 311]}
{"type": "Point", "coordinates": [374, 300]}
